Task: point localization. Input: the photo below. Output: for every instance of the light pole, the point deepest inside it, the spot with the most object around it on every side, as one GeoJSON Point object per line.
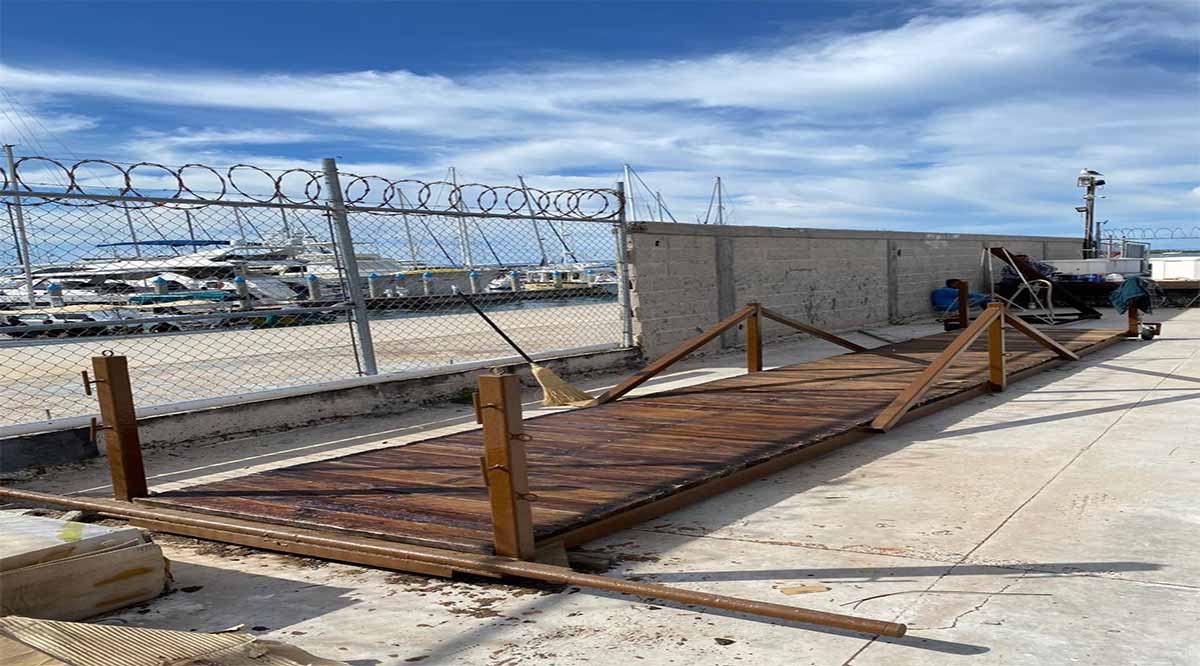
{"type": "Point", "coordinates": [1090, 180]}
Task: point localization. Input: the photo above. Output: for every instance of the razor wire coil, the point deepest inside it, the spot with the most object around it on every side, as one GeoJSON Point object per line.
{"type": "Point", "coordinates": [298, 187]}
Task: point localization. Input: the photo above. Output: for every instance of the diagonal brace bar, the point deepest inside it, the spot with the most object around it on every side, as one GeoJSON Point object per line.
{"type": "Point", "coordinates": [908, 398]}
{"type": "Point", "coordinates": [676, 354]}
{"type": "Point", "coordinates": [812, 330]}
{"type": "Point", "coordinates": [1040, 338]}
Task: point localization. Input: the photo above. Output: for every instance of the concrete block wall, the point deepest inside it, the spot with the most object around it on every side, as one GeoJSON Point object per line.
{"type": "Point", "coordinates": [687, 276]}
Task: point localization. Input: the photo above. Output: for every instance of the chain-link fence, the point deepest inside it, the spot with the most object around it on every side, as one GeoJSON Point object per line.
{"type": "Point", "coordinates": [212, 292]}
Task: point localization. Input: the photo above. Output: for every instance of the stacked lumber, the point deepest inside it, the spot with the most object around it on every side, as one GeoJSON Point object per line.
{"type": "Point", "coordinates": [64, 570]}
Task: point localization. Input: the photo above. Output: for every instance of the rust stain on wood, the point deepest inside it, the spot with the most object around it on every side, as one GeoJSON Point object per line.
{"type": "Point", "coordinates": [124, 575]}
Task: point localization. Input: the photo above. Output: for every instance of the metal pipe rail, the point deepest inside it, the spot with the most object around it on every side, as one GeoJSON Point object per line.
{"type": "Point", "coordinates": [487, 564]}
{"type": "Point", "coordinates": [237, 314]}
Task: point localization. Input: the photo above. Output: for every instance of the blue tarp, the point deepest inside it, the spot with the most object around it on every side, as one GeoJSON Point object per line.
{"type": "Point", "coordinates": [1135, 289]}
{"type": "Point", "coordinates": [946, 298]}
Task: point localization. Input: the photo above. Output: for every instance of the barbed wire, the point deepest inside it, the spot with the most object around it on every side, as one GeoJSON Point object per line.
{"type": "Point", "coordinates": [299, 187]}
{"type": "Point", "coordinates": [1152, 233]}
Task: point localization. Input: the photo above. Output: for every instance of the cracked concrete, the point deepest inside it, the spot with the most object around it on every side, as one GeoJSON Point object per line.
{"type": "Point", "coordinates": [1056, 523]}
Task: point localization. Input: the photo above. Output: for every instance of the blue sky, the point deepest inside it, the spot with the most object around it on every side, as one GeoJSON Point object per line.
{"type": "Point", "coordinates": [951, 116]}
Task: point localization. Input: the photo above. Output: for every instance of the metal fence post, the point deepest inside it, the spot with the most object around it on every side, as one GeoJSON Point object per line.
{"type": "Point", "coordinates": [341, 225]}
{"type": "Point", "coordinates": [22, 237]}
{"type": "Point", "coordinates": [619, 233]}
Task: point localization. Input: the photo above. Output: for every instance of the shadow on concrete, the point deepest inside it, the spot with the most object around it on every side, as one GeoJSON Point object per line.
{"type": "Point", "coordinates": [1140, 390]}
{"type": "Point", "coordinates": [1149, 373]}
{"type": "Point", "coordinates": [1063, 416]}
{"type": "Point", "coordinates": [220, 598]}
{"type": "Point", "coordinates": [690, 374]}
{"type": "Point", "coordinates": [901, 574]}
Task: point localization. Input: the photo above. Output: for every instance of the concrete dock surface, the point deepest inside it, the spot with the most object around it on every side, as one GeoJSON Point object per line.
{"type": "Point", "coordinates": [1055, 523]}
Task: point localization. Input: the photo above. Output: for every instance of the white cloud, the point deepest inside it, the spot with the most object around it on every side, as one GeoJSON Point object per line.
{"type": "Point", "coordinates": [19, 124]}
{"type": "Point", "coordinates": [958, 117]}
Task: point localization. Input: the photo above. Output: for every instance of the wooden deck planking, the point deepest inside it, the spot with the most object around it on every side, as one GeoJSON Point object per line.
{"type": "Point", "coordinates": [590, 464]}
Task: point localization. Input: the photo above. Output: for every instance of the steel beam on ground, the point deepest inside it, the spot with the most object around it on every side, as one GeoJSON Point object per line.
{"type": "Point", "coordinates": [279, 538]}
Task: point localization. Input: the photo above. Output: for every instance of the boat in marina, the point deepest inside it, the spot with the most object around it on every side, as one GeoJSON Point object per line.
{"type": "Point", "coordinates": [274, 271]}
{"type": "Point", "coordinates": [560, 276]}
{"type": "Point", "coordinates": [162, 281]}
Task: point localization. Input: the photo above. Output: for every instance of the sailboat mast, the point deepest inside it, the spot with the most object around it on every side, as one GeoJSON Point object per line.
{"type": "Point", "coordinates": [720, 203]}
{"type": "Point", "coordinates": [238, 219]}
{"type": "Point", "coordinates": [464, 240]}
{"type": "Point", "coordinates": [287, 232]}
{"type": "Point", "coordinates": [137, 248]}
{"type": "Point", "coordinates": [537, 232]}
{"type": "Point", "coordinates": [412, 246]}
{"type": "Point", "coordinates": [629, 195]}
{"type": "Point", "coordinates": [187, 216]}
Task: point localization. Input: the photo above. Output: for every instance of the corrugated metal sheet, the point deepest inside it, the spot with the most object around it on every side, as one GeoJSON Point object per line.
{"type": "Point", "coordinates": [81, 644]}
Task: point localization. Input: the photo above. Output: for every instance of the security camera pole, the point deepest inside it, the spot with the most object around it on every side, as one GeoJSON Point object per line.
{"type": "Point", "coordinates": [1089, 179]}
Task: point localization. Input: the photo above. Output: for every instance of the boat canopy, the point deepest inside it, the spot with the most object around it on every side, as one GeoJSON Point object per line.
{"type": "Point", "coordinates": [168, 243]}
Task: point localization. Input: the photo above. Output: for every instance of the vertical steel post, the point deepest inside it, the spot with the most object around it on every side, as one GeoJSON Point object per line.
{"type": "Point", "coordinates": [341, 225]}
{"type": "Point", "coordinates": [623, 296]}
{"type": "Point", "coordinates": [964, 303]}
{"type": "Point", "coordinates": [121, 443]}
{"type": "Point", "coordinates": [504, 466]}
{"type": "Point", "coordinates": [1089, 222]}
{"type": "Point", "coordinates": [997, 373]}
{"type": "Point", "coordinates": [754, 359]}
{"type": "Point", "coordinates": [22, 237]}
{"type": "Point", "coordinates": [12, 225]}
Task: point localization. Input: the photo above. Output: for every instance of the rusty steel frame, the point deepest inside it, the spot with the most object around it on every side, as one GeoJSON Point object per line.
{"type": "Point", "coordinates": [964, 303]}
{"type": "Point", "coordinates": [992, 321]}
{"type": "Point", "coordinates": [438, 561]}
{"type": "Point", "coordinates": [122, 446]}
{"type": "Point", "coordinates": [812, 330]}
{"type": "Point", "coordinates": [498, 409]}
{"type": "Point", "coordinates": [753, 314]}
{"type": "Point", "coordinates": [675, 355]}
